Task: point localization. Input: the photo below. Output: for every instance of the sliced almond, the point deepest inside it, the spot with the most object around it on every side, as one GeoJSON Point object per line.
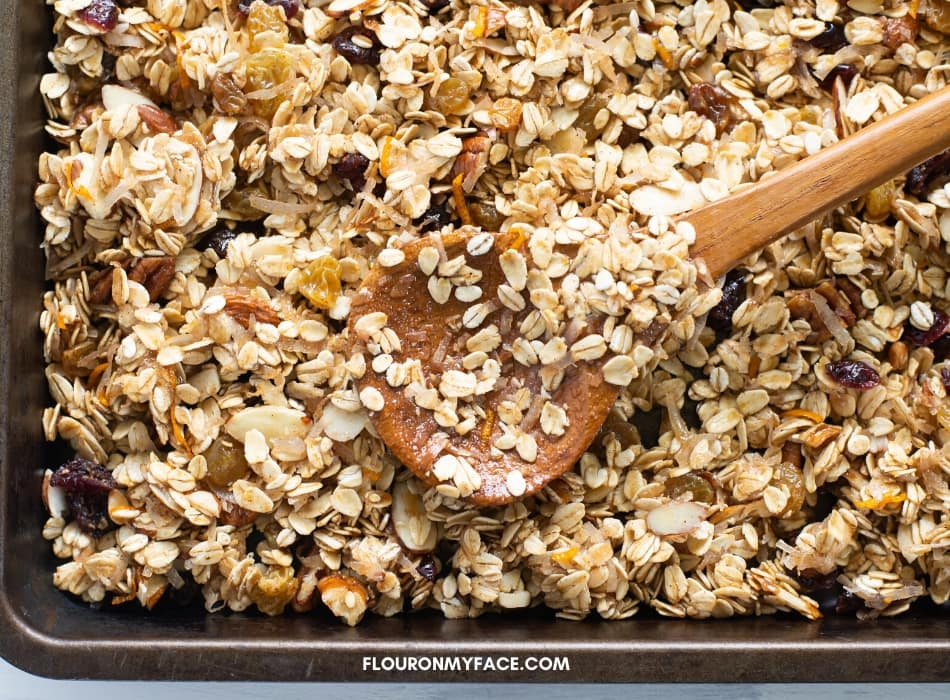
{"type": "Point", "coordinates": [54, 498]}
{"type": "Point", "coordinates": [273, 421]}
{"type": "Point", "coordinates": [341, 425]}
{"type": "Point", "coordinates": [412, 526]}
{"type": "Point", "coordinates": [116, 96]}
{"type": "Point", "coordinates": [676, 518]}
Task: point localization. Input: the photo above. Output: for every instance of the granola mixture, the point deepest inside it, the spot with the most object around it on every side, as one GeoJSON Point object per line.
{"type": "Point", "coordinates": [229, 172]}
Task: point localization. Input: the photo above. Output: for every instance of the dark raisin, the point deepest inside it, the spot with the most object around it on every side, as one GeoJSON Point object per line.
{"type": "Point", "coordinates": [750, 5]}
{"type": "Point", "coordinates": [628, 136]}
{"type": "Point", "coordinates": [848, 602]}
{"type": "Point", "coordinates": [945, 378]}
{"type": "Point", "coordinates": [712, 102]}
{"type": "Point", "coordinates": [228, 97]}
{"type": "Point", "coordinates": [358, 45]}
{"type": "Point", "coordinates": [217, 240]}
{"type": "Point", "coordinates": [428, 568]}
{"type": "Point", "coordinates": [831, 39]}
{"type": "Point", "coordinates": [941, 348]}
{"type": "Point", "coordinates": [931, 335]}
{"type": "Point", "coordinates": [486, 216]}
{"type": "Point", "coordinates": [693, 483]}
{"type": "Point", "coordinates": [435, 6]}
{"type": "Point", "coordinates": [352, 167]}
{"type": "Point", "coordinates": [845, 70]}
{"type": "Point", "coordinates": [813, 580]}
{"type": "Point", "coordinates": [921, 177]}
{"type": "Point", "coordinates": [101, 14]}
{"type": "Point", "coordinates": [733, 294]}
{"type": "Point", "coordinates": [87, 485]}
{"type": "Point", "coordinates": [290, 6]}
{"type": "Point", "coordinates": [854, 374]}
{"type": "Point", "coordinates": [434, 218]}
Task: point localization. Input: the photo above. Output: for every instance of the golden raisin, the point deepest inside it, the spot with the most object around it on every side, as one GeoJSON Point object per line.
{"type": "Point", "coordinates": [877, 204]}
{"type": "Point", "coordinates": [320, 282]}
{"type": "Point", "coordinates": [267, 69]}
{"type": "Point", "coordinates": [587, 115]}
{"type": "Point", "coordinates": [452, 96]}
{"type": "Point", "coordinates": [937, 15]}
{"type": "Point", "coordinates": [226, 462]}
{"type": "Point", "coordinates": [505, 114]}
{"type": "Point", "coordinates": [692, 483]}
{"type": "Point", "coordinates": [485, 215]}
{"type": "Point", "coordinates": [622, 429]}
{"type": "Point", "coordinates": [790, 476]}
{"type": "Point", "coordinates": [266, 26]}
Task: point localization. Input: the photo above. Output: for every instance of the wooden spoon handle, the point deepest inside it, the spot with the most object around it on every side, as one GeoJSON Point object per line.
{"type": "Point", "coordinates": [734, 227]}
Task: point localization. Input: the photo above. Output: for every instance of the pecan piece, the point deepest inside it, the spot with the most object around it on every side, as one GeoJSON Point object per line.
{"type": "Point", "coordinates": [902, 30]}
{"type": "Point", "coordinates": [157, 119]}
{"type": "Point", "coordinates": [241, 307]}
{"type": "Point", "coordinates": [100, 286]}
{"type": "Point", "coordinates": [155, 274]}
{"type": "Point", "coordinates": [473, 159]}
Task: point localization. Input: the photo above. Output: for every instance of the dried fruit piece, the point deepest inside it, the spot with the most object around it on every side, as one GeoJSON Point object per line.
{"type": "Point", "coordinates": [788, 476]}
{"type": "Point", "coordinates": [846, 71]}
{"type": "Point", "coordinates": [931, 335]}
{"type": "Point", "coordinates": [358, 45]}
{"type": "Point", "coordinates": [712, 102]}
{"type": "Point", "coordinates": [945, 378]}
{"type": "Point", "coordinates": [352, 167]}
{"type": "Point", "coordinates": [290, 7]}
{"type": "Point", "coordinates": [87, 485]}
{"type": "Point", "coordinates": [428, 568]}
{"type": "Point", "coordinates": [228, 97]}
{"type": "Point", "coordinates": [831, 39]}
{"type": "Point", "coordinates": [452, 96]}
{"type": "Point", "coordinates": [902, 30]}
{"type": "Point", "coordinates": [877, 204]}
{"type": "Point", "coordinates": [266, 26]}
{"type": "Point", "coordinates": [853, 374]}
{"type": "Point", "coordinates": [587, 114]}
{"type": "Point", "coordinates": [218, 240]}
{"type": "Point", "coordinates": [266, 70]}
{"type": "Point", "coordinates": [733, 294]}
{"type": "Point", "coordinates": [100, 14]}
{"type": "Point", "coordinates": [434, 218]}
{"type": "Point", "coordinates": [155, 274]}
{"type": "Point", "coordinates": [505, 114]}
{"type": "Point", "coordinates": [694, 484]}
{"type": "Point", "coordinates": [473, 159]}
{"type": "Point", "coordinates": [485, 214]}
{"type": "Point", "coordinates": [921, 177]}
{"type": "Point", "coordinates": [621, 428]}
{"type": "Point", "coordinates": [320, 282]}
{"type": "Point", "coordinates": [274, 590]}
{"type": "Point", "coordinates": [936, 14]}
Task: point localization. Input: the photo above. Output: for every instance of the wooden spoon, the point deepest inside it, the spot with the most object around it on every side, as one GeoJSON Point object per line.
{"type": "Point", "coordinates": [726, 232]}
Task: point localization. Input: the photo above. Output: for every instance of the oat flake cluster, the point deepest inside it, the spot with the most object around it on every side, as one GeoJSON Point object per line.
{"type": "Point", "coordinates": [227, 174]}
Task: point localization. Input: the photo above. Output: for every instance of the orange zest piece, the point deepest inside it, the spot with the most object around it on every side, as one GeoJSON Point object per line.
{"type": "Point", "coordinates": [663, 53]}
{"type": "Point", "coordinates": [802, 413]}
{"type": "Point", "coordinates": [96, 374]}
{"type": "Point", "coordinates": [487, 426]}
{"type": "Point", "coordinates": [565, 556]}
{"type": "Point", "coordinates": [178, 433]}
{"type": "Point", "coordinates": [385, 157]}
{"type": "Point", "coordinates": [914, 6]}
{"type": "Point", "coordinates": [481, 22]}
{"type": "Point", "coordinates": [883, 502]}
{"type": "Point", "coordinates": [182, 76]}
{"type": "Point", "coordinates": [459, 196]}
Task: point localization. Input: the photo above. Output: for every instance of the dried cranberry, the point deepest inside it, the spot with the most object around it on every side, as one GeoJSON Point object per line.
{"type": "Point", "coordinates": [845, 70]}
{"type": "Point", "coordinates": [628, 136]}
{"type": "Point", "coordinates": [831, 39]}
{"type": "Point", "coordinates": [434, 218]}
{"type": "Point", "coordinates": [290, 6]}
{"type": "Point", "coordinates": [733, 294]}
{"type": "Point", "coordinates": [814, 580]}
{"type": "Point", "coordinates": [854, 374]}
{"type": "Point", "coordinates": [87, 485]}
{"type": "Point", "coordinates": [217, 240]}
{"type": "Point", "coordinates": [931, 335]}
{"type": "Point", "coordinates": [920, 178]}
{"type": "Point", "coordinates": [352, 167]}
{"type": "Point", "coordinates": [101, 14]}
{"type": "Point", "coordinates": [352, 42]}
{"type": "Point", "coordinates": [428, 568]}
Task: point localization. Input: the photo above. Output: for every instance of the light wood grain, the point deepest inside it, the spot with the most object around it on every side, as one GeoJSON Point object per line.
{"type": "Point", "coordinates": [734, 227]}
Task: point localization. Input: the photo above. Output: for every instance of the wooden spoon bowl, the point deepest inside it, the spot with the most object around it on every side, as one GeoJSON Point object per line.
{"type": "Point", "coordinates": [435, 335]}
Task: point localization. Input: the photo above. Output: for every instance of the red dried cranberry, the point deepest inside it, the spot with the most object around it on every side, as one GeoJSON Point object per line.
{"type": "Point", "coordinates": [218, 241]}
{"type": "Point", "coordinates": [854, 374]}
{"type": "Point", "coordinates": [352, 167]}
{"type": "Point", "coordinates": [290, 6]}
{"type": "Point", "coordinates": [733, 294]}
{"type": "Point", "coordinates": [831, 39]}
{"type": "Point", "coordinates": [945, 378]}
{"type": "Point", "coordinates": [921, 177]}
{"type": "Point", "coordinates": [434, 218]}
{"type": "Point", "coordinates": [101, 14]}
{"type": "Point", "coordinates": [931, 335]}
{"type": "Point", "coordinates": [356, 51]}
{"type": "Point", "coordinates": [845, 70]}
{"type": "Point", "coordinates": [87, 485]}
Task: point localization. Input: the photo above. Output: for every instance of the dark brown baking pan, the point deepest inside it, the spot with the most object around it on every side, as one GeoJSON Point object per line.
{"type": "Point", "coordinates": [48, 633]}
